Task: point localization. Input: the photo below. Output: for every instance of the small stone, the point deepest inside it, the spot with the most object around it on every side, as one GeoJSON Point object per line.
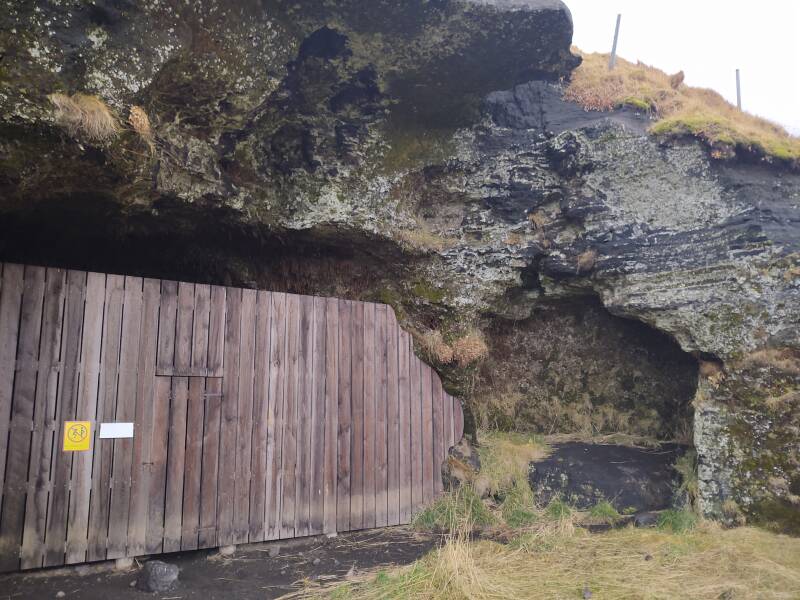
{"type": "Point", "coordinates": [648, 557]}
{"type": "Point", "coordinates": [316, 561]}
{"type": "Point", "coordinates": [283, 572]}
{"type": "Point", "coordinates": [132, 583]}
{"type": "Point", "coordinates": [123, 564]}
{"type": "Point", "coordinates": [157, 576]}
{"type": "Point", "coordinates": [60, 594]}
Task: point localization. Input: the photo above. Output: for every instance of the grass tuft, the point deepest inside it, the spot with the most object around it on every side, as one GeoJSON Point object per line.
{"type": "Point", "coordinates": [604, 513]}
{"type": "Point", "coordinates": [460, 509]}
{"type": "Point", "coordinates": [680, 110]}
{"type": "Point", "coordinates": [85, 116]}
{"type": "Point", "coordinates": [677, 521]}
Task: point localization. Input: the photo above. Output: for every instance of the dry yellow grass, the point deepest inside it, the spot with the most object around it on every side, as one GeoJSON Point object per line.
{"type": "Point", "coordinates": [85, 116]}
{"type": "Point", "coordinates": [422, 239]}
{"type": "Point", "coordinates": [627, 564]}
{"type": "Point", "coordinates": [469, 349]}
{"type": "Point", "coordinates": [505, 457]}
{"type": "Point", "coordinates": [681, 110]}
{"type": "Point", "coordinates": [435, 348]}
{"type": "Point", "coordinates": [140, 122]}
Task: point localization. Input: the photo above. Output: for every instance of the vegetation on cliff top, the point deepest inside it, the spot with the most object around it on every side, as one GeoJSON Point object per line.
{"type": "Point", "coordinates": [679, 109]}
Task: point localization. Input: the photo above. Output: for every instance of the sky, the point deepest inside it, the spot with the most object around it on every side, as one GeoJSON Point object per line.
{"type": "Point", "coordinates": [708, 40]}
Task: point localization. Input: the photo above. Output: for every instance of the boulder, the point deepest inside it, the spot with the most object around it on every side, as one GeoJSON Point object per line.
{"type": "Point", "coordinates": [461, 466]}
{"type": "Point", "coordinates": [157, 576]}
{"type": "Point", "coordinates": [633, 480]}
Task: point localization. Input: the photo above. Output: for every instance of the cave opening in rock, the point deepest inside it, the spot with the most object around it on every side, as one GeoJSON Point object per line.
{"type": "Point", "coordinates": [574, 368]}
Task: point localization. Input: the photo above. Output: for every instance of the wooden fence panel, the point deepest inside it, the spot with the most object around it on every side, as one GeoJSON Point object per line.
{"type": "Point", "coordinates": [255, 415]}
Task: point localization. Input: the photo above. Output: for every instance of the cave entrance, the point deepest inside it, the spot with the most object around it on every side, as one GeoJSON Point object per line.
{"type": "Point", "coordinates": [574, 368]}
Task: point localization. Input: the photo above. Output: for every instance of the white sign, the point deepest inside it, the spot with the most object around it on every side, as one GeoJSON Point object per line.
{"type": "Point", "coordinates": [116, 430]}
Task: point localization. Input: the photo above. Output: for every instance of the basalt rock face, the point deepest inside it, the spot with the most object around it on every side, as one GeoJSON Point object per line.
{"type": "Point", "coordinates": [420, 154]}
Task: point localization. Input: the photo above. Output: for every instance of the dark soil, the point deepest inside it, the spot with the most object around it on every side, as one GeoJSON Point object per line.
{"type": "Point", "coordinates": [249, 574]}
{"type": "Point", "coordinates": [632, 479]}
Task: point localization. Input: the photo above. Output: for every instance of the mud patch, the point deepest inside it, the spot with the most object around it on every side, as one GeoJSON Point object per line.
{"type": "Point", "coordinates": [250, 574]}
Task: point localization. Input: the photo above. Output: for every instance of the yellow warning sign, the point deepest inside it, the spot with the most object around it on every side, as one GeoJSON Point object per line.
{"type": "Point", "coordinates": [77, 435]}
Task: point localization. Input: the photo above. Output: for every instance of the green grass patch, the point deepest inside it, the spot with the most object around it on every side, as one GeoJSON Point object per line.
{"type": "Point", "coordinates": [604, 512]}
{"type": "Point", "coordinates": [454, 511]}
{"type": "Point", "coordinates": [677, 521]}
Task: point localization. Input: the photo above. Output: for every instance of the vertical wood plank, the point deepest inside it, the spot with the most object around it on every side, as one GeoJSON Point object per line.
{"type": "Point", "coordinates": [404, 427]}
{"type": "Point", "coordinates": [289, 454]}
{"type": "Point", "coordinates": [193, 461]}
{"type": "Point", "coordinates": [447, 405]}
{"type": "Point", "coordinates": [438, 431]}
{"type": "Point", "coordinates": [207, 533]}
{"type": "Point", "coordinates": [371, 380]}
{"type": "Point", "coordinates": [417, 475]}
{"type": "Point", "coordinates": [100, 496]}
{"type": "Point", "coordinates": [55, 532]}
{"type": "Point", "coordinates": [176, 463]}
{"type": "Point", "coordinates": [261, 420]}
{"type": "Point", "coordinates": [125, 413]}
{"type": "Point", "coordinates": [230, 407]}
{"type": "Point", "coordinates": [143, 419]}
{"type": "Point", "coordinates": [277, 379]}
{"type": "Point", "coordinates": [392, 420]}
{"type": "Point", "coordinates": [331, 411]}
{"type": "Point", "coordinates": [86, 411]}
{"type": "Point", "coordinates": [381, 405]}
{"type": "Point", "coordinates": [167, 324]}
{"type": "Point", "coordinates": [183, 330]}
{"type": "Point", "coordinates": [10, 307]}
{"type": "Point", "coordinates": [22, 410]}
{"type": "Point", "coordinates": [159, 440]}
{"type": "Point", "coordinates": [200, 328]}
{"type": "Point", "coordinates": [316, 513]}
{"type": "Point", "coordinates": [357, 420]}
{"type": "Point", "coordinates": [216, 332]}
{"type": "Point", "coordinates": [44, 425]}
{"type": "Point", "coordinates": [304, 406]}
{"type": "Point", "coordinates": [241, 507]}
{"type": "Point", "coordinates": [427, 433]}
{"type": "Point", "coordinates": [344, 415]}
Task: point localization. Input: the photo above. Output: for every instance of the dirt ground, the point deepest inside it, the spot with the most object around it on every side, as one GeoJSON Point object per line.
{"type": "Point", "coordinates": [251, 573]}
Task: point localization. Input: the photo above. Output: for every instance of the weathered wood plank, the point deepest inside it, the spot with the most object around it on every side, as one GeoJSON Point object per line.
{"type": "Point", "coordinates": [229, 426]}
{"type": "Point", "coordinates": [289, 454]}
{"type": "Point", "coordinates": [167, 325]}
{"type": "Point", "coordinates": [415, 389]}
{"type": "Point", "coordinates": [86, 411]}
{"type": "Point", "coordinates": [55, 532]}
{"type": "Point", "coordinates": [176, 464]}
{"type": "Point", "coordinates": [392, 420]}
{"type": "Point", "coordinates": [261, 420]}
{"type": "Point", "coordinates": [10, 307]}
{"type": "Point", "coordinates": [125, 413]}
{"type": "Point", "coordinates": [438, 431]}
{"type": "Point", "coordinates": [447, 406]}
{"type": "Point", "coordinates": [207, 533]}
{"type": "Point", "coordinates": [99, 505]}
{"type": "Point", "coordinates": [304, 405]}
{"type": "Point", "coordinates": [44, 425]}
{"type": "Point", "coordinates": [216, 332]}
{"type": "Point", "coordinates": [241, 499]}
{"type": "Point", "coordinates": [381, 407]}
{"type": "Point", "coordinates": [193, 462]}
{"type": "Point", "coordinates": [404, 427]}
{"type": "Point", "coordinates": [357, 420]}
{"type": "Point", "coordinates": [12, 519]}
{"type": "Point", "coordinates": [344, 416]}
{"type": "Point", "coordinates": [331, 411]}
{"type": "Point", "coordinates": [183, 329]}
{"type": "Point", "coordinates": [159, 442]}
{"type": "Point", "coordinates": [427, 433]}
{"type": "Point", "coordinates": [201, 326]}
{"type": "Point", "coordinates": [318, 419]}
{"type": "Point", "coordinates": [371, 381]}
{"type": "Point", "coordinates": [277, 379]}
{"type": "Point", "coordinates": [143, 419]}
